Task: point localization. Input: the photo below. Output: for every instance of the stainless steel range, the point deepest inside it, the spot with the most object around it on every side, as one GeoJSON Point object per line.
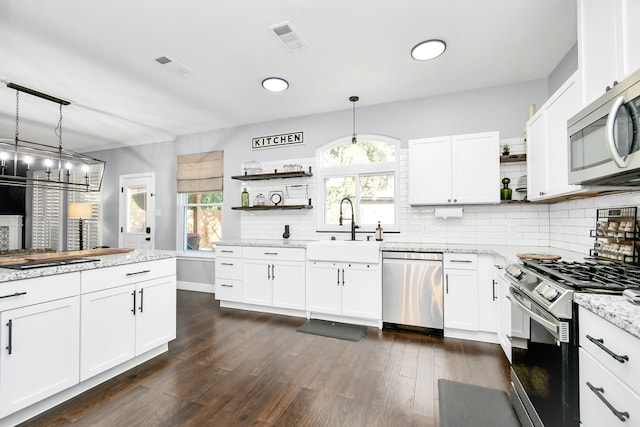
{"type": "Point", "coordinates": [544, 368]}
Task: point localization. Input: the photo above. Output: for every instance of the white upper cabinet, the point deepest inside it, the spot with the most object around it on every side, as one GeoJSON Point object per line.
{"type": "Point", "coordinates": [459, 169]}
{"type": "Point", "coordinates": [547, 148]}
{"type": "Point", "coordinates": [608, 43]}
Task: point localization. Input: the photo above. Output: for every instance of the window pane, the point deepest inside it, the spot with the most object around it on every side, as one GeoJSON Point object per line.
{"type": "Point", "coordinates": [203, 221]}
{"type": "Point", "coordinates": [137, 209]}
{"type": "Point", "coordinates": [335, 189]}
{"type": "Point", "coordinates": [361, 153]}
{"type": "Point", "coordinates": [377, 202]}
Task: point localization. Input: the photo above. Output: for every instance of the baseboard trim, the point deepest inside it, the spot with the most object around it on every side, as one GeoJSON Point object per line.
{"type": "Point", "coordinates": [197, 287]}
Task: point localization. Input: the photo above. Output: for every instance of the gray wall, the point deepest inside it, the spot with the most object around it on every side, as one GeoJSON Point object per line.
{"type": "Point", "coordinates": [563, 70]}
{"type": "Point", "coordinates": [502, 108]}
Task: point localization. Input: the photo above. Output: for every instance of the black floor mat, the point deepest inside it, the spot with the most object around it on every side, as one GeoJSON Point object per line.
{"type": "Point", "coordinates": [343, 331]}
{"type": "Point", "coordinates": [463, 405]}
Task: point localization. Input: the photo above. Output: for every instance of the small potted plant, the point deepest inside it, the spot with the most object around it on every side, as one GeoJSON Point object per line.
{"type": "Point", "coordinates": [506, 149]}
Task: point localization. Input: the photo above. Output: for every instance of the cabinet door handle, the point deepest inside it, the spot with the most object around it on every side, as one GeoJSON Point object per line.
{"type": "Point", "coordinates": [10, 344]}
{"type": "Point", "coordinates": [343, 277]}
{"type": "Point", "coordinates": [133, 310]}
{"type": "Point", "coordinates": [493, 284]}
{"type": "Point", "coordinates": [17, 294]}
{"type": "Point", "coordinates": [446, 282]}
{"type": "Point", "coordinates": [273, 271]}
{"type": "Point", "coordinates": [268, 271]}
{"type": "Point", "coordinates": [599, 391]}
{"type": "Point", "coordinates": [600, 343]}
{"type": "Point", "coordinates": [141, 299]}
{"type": "Point", "coordinates": [138, 272]}
{"type": "Point", "coordinates": [338, 277]}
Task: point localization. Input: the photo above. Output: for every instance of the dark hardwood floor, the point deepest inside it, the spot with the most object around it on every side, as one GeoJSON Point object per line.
{"type": "Point", "coordinates": [232, 368]}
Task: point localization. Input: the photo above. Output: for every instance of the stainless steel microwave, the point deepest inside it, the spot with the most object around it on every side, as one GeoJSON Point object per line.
{"type": "Point", "coordinates": [603, 138]}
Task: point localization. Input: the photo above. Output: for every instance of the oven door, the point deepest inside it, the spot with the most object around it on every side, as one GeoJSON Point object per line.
{"type": "Point", "coordinates": [544, 371]}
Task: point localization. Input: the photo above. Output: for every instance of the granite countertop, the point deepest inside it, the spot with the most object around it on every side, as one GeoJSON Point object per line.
{"type": "Point", "coordinates": [138, 255]}
{"type": "Point", "coordinates": [614, 308]}
{"type": "Point", "coordinates": [507, 252]}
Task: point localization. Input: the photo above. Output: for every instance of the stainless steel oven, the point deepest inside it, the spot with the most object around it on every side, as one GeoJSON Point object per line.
{"type": "Point", "coordinates": [544, 367]}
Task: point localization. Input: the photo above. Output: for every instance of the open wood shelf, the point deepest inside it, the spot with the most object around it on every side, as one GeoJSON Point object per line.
{"type": "Point", "coordinates": [273, 175]}
{"type": "Point", "coordinates": [512, 158]}
{"type": "Point", "coordinates": [268, 208]}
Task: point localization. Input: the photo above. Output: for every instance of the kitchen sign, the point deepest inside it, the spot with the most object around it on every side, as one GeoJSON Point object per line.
{"type": "Point", "coordinates": [277, 140]}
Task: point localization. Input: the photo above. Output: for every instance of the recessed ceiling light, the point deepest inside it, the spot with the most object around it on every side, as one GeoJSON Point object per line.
{"type": "Point", "coordinates": [428, 49]}
{"type": "Point", "coordinates": [275, 84]}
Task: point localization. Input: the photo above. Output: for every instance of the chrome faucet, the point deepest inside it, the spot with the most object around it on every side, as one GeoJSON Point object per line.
{"type": "Point", "coordinates": [353, 219]}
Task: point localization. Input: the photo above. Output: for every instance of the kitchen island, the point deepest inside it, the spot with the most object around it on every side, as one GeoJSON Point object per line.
{"type": "Point", "coordinates": [67, 328]}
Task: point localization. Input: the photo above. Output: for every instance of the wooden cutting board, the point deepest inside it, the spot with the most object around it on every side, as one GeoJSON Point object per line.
{"type": "Point", "coordinates": [19, 259]}
{"type": "Point", "coordinates": [545, 257]}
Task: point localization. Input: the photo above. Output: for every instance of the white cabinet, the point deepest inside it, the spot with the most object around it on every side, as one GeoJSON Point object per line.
{"type": "Point", "coordinates": [608, 43]}
{"type": "Point", "coordinates": [449, 165]}
{"type": "Point", "coordinates": [346, 289]}
{"type": "Point", "coordinates": [488, 304]}
{"type": "Point", "coordinates": [126, 311]}
{"type": "Point", "coordinates": [228, 273]}
{"type": "Point", "coordinates": [39, 338]}
{"type": "Point", "coordinates": [460, 292]}
{"type": "Point", "coordinates": [609, 373]}
{"type": "Point", "coordinates": [547, 148]}
{"type": "Point", "coordinates": [504, 313]}
{"type": "Point", "coordinates": [274, 277]}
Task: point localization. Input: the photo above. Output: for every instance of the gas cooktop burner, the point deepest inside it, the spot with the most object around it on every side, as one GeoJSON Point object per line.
{"type": "Point", "coordinates": [590, 275]}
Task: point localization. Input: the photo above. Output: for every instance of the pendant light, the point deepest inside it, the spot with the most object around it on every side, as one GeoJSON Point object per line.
{"type": "Point", "coordinates": [64, 169]}
{"type": "Point", "coordinates": [354, 138]}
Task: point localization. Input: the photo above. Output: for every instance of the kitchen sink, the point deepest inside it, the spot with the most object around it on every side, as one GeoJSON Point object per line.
{"type": "Point", "coordinates": [344, 251]}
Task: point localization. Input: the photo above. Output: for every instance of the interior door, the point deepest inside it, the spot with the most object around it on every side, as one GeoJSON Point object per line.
{"type": "Point", "coordinates": [137, 208]}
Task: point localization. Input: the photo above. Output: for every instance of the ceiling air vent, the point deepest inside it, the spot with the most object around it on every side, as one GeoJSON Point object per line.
{"type": "Point", "coordinates": [172, 65]}
{"type": "Point", "coordinates": [286, 33]}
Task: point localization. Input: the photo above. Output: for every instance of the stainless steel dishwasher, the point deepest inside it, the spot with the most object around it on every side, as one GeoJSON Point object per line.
{"type": "Point", "coordinates": [412, 289]}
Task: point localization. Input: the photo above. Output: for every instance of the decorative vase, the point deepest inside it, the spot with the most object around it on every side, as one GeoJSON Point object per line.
{"type": "Point", "coordinates": [505, 191]}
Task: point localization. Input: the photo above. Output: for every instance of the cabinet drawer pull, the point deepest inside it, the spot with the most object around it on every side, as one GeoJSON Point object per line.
{"type": "Point", "coordinates": [271, 253]}
{"type": "Point", "coordinates": [600, 343]}
{"type": "Point", "coordinates": [226, 263]}
{"type": "Point", "coordinates": [17, 294]}
{"type": "Point", "coordinates": [227, 251]}
{"type": "Point", "coordinates": [138, 272]}
{"type": "Point", "coordinates": [226, 286]}
{"type": "Point", "coordinates": [10, 344]}
{"type": "Point", "coordinates": [599, 392]}
{"type": "Point", "coordinates": [461, 260]}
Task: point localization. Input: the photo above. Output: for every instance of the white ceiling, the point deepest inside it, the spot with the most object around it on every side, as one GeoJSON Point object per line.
{"type": "Point", "coordinates": [100, 55]}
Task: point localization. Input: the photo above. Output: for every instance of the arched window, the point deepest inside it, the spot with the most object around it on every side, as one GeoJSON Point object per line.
{"type": "Point", "coordinates": [367, 174]}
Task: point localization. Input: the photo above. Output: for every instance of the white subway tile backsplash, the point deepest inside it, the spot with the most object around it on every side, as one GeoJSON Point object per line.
{"type": "Point", "coordinates": [564, 225]}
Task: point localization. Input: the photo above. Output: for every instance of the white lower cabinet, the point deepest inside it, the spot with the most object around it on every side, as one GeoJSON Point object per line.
{"type": "Point", "coordinates": [40, 346]}
{"type": "Point", "coordinates": [461, 291]}
{"type": "Point", "coordinates": [126, 320]}
{"type": "Point", "coordinates": [346, 289]}
{"type": "Point", "coordinates": [274, 277]}
{"type": "Point", "coordinates": [609, 373]}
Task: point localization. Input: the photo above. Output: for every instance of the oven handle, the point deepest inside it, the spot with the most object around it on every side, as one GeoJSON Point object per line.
{"type": "Point", "coordinates": [552, 327]}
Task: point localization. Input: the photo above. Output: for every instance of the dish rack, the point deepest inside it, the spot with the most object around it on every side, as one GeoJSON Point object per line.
{"type": "Point", "coordinates": [296, 195]}
{"type": "Point", "coordinates": [616, 235]}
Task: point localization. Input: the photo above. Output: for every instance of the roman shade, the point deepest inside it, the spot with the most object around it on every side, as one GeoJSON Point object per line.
{"type": "Point", "coordinates": [200, 172]}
